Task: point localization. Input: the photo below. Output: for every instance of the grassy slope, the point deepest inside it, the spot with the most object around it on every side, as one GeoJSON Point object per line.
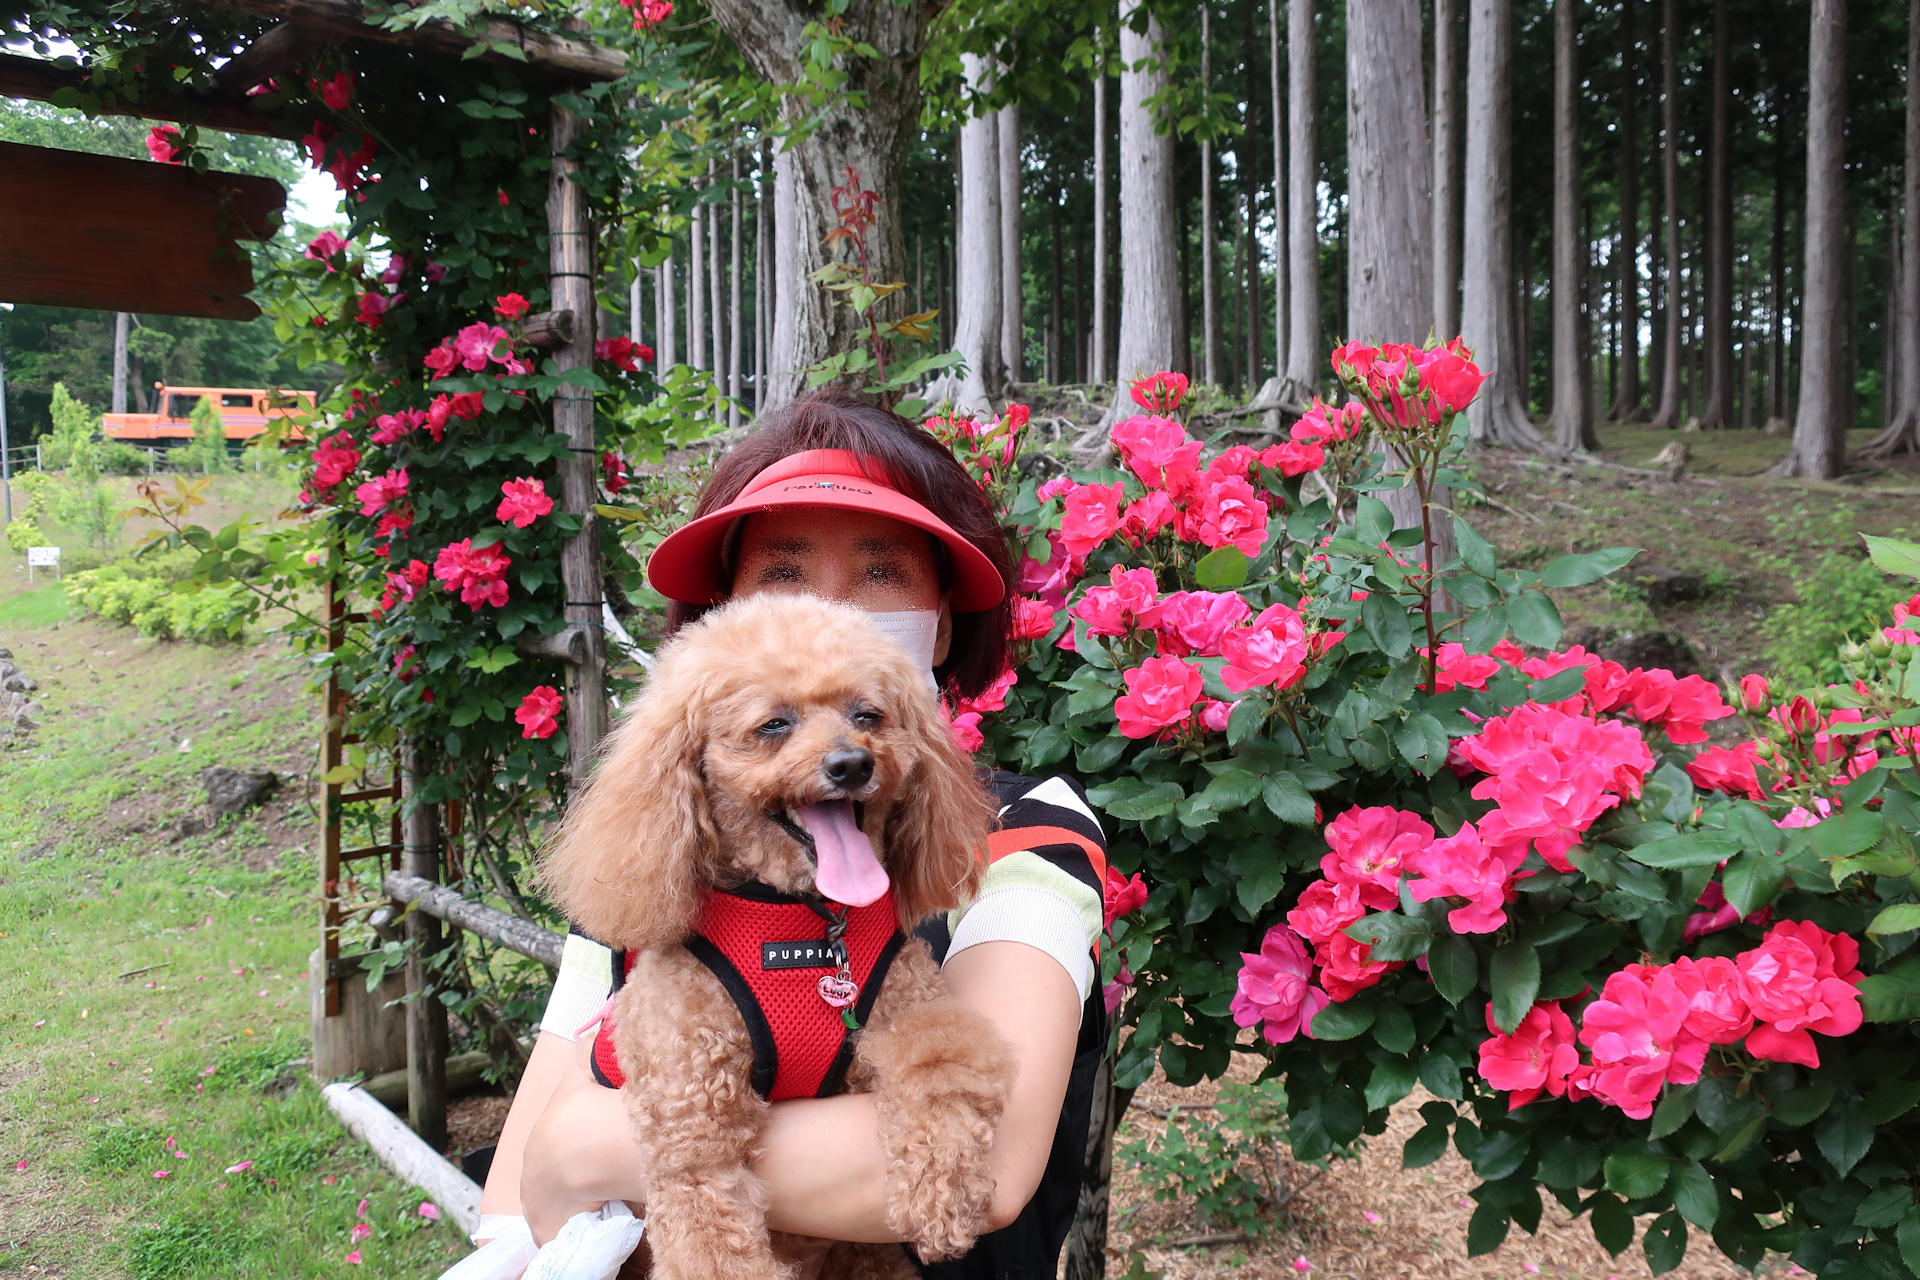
{"type": "Point", "coordinates": [100, 1069]}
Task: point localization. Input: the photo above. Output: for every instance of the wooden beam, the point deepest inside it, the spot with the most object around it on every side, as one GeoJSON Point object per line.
{"type": "Point", "coordinates": [39, 81]}
{"type": "Point", "coordinates": [107, 234]}
{"type": "Point", "coordinates": [556, 55]}
{"type": "Point", "coordinates": [401, 1150]}
{"type": "Point", "coordinates": [276, 52]}
{"type": "Point", "coordinates": [511, 932]}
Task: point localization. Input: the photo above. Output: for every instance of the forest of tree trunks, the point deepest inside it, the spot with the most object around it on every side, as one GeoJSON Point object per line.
{"type": "Point", "coordinates": [1698, 214]}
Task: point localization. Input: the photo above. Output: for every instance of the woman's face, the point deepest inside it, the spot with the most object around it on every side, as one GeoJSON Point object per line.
{"type": "Point", "coordinates": [872, 562]}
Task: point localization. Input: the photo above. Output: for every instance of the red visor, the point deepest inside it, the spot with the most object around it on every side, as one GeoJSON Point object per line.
{"type": "Point", "coordinates": [690, 565]}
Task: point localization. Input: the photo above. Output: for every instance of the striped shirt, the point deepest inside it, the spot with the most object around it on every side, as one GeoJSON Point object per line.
{"type": "Point", "coordinates": [1043, 887]}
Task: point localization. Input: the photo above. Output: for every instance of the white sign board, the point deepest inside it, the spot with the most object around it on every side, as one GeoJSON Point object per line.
{"type": "Point", "coordinates": [42, 557]}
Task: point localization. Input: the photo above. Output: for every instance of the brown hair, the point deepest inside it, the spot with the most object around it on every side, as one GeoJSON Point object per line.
{"type": "Point", "coordinates": [920, 467]}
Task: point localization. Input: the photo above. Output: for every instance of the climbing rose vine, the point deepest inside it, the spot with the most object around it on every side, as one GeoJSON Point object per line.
{"type": "Point", "coordinates": [1647, 943]}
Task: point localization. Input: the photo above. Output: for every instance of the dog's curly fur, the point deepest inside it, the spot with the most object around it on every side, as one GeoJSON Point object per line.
{"type": "Point", "coordinates": [735, 723]}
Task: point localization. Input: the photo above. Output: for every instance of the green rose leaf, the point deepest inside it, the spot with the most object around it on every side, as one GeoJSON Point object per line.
{"type": "Point", "coordinates": [1486, 1230]}
{"type": "Point", "coordinates": [1454, 967]}
{"type": "Point", "coordinates": [1515, 976]}
{"type": "Point", "coordinates": [1665, 1243]}
{"type": "Point", "coordinates": [1222, 569]}
{"type": "Point", "coordinates": [1636, 1177]}
{"type": "Point", "coordinates": [1612, 1224]}
{"type": "Point", "coordinates": [1343, 1021]}
{"type": "Point", "coordinates": [1424, 1147]}
{"type": "Point", "coordinates": [1287, 797]}
{"type": "Point", "coordinates": [1535, 619]}
{"type": "Point", "coordinates": [1694, 1195]}
{"type": "Point", "coordinates": [1580, 570]}
{"type": "Point", "coordinates": [1391, 1081]}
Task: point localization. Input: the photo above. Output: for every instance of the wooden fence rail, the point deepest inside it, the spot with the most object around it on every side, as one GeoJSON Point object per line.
{"type": "Point", "coordinates": [509, 931]}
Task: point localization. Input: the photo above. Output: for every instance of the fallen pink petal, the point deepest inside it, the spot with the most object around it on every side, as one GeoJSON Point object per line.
{"type": "Point", "coordinates": [242, 1167]}
{"type": "Point", "coordinates": [41, 1023]}
{"type": "Point", "coordinates": [1370, 1215]}
{"type": "Point", "coordinates": [360, 1232]}
{"type": "Point", "coordinates": [361, 1212]}
{"type": "Point", "coordinates": [354, 1257]}
{"type": "Point", "coordinates": [1301, 1265]}
{"type": "Point", "coordinates": [162, 1173]}
{"type": "Point", "coordinates": [21, 1167]}
{"type": "Point", "coordinates": [430, 1211]}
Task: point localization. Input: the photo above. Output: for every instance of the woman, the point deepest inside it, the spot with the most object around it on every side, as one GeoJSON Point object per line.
{"type": "Point", "coordinates": [890, 522]}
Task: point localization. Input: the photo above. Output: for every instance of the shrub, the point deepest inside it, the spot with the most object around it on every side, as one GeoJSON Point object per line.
{"type": "Point", "coordinates": [1842, 598]}
{"type": "Point", "coordinates": [1228, 1164]}
{"type": "Point", "coordinates": [159, 609]}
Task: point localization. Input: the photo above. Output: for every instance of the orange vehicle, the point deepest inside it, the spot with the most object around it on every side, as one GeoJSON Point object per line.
{"type": "Point", "coordinates": [244, 413]}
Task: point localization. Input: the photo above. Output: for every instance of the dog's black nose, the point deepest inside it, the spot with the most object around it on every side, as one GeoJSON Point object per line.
{"type": "Point", "coordinates": [849, 768]}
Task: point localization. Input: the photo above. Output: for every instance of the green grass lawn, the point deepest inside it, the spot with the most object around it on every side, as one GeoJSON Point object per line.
{"type": "Point", "coordinates": [37, 605]}
{"type": "Point", "coordinates": [148, 990]}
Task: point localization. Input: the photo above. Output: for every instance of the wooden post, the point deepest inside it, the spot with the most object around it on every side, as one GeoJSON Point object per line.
{"type": "Point", "coordinates": [1086, 1251]}
{"type": "Point", "coordinates": [571, 261]}
{"type": "Point", "coordinates": [426, 1016]}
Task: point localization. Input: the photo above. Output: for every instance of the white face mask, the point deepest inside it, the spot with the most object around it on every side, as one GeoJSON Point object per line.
{"type": "Point", "coordinates": [914, 630]}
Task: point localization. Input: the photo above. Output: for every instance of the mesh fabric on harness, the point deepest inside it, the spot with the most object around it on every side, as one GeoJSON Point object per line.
{"type": "Point", "coordinates": [769, 951]}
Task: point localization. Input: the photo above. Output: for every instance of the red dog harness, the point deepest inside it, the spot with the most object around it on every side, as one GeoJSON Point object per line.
{"type": "Point", "coordinates": [778, 958]}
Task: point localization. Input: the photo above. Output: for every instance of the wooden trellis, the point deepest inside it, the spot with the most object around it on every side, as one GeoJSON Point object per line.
{"type": "Point", "coordinates": [335, 861]}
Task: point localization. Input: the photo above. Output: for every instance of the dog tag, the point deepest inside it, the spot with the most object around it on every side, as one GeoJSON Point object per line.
{"type": "Point", "coordinates": [837, 991]}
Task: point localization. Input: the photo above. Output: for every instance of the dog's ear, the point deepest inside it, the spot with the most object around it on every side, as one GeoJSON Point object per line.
{"type": "Point", "coordinates": [626, 866]}
{"type": "Point", "coordinates": [937, 831]}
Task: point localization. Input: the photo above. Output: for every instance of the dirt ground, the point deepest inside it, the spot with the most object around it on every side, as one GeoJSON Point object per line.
{"type": "Point", "coordinates": [1417, 1227]}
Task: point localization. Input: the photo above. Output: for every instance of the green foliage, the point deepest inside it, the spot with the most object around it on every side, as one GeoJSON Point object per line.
{"type": "Point", "coordinates": [207, 453]}
{"type": "Point", "coordinates": [123, 1147]}
{"type": "Point", "coordinates": [158, 609]}
{"type": "Point", "coordinates": [1227, 1164]}
{"type": "Point", "coordinates": [192, 1245]}
{"type": "Point", "coordinates": [1840, 598]}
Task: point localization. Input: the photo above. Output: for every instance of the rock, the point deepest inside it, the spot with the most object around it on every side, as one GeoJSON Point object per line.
{"type": "Point", "coordinates": [235, 790]}
{"type": "Point", "coordinates": [18, 713]}
{"type": "Point", "coordinates": [1666, 586]}
{"type": "Point", "coordinates": [18, 681]}
{"type": "Point", "coordinates": [1651, 649]}
{"type": "Point", "coordinates": [180, 828]}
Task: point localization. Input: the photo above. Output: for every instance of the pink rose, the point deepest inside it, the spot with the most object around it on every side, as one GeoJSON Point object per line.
{"type": "Point", "coordinates": [1371, 849]}
{"type": "Point", "coordinates": [1799, 979]}
{"type": "Point", "coordinates": [1461, 867]}
{"type": "Point", "coordinates": [1058, 487]}
{"type": "Point", "coordinates": [1123, 895]}
{"type": "Point", "coordinates": [1347, 967]}
{"type": "Point", "coordinates": [1455, 668]}
{"type": "Point", "coordinates": [1032, 619]}
{"type": "Point", "coordinates": [1092, 516]}
{"type": "Point", "coordinates": [377, 494]}
{"type": "Point", "coordinates": [1755, 692]}
{"type": "Point", "coordinates": [1717, 1009]}
{"type": "Point", "coordinates": [1680, 706]}
{"type": "Point", "coordinates": [1160, 692]}
{"type": "Point", "coordinates": [526, 500]}
{"type": "Point", "coordinates": [1159, 392]}
{"type": "Point", "coordinates": [1294, 457]}
{"type": "Point", "coordinates": [1146, 517]}
{"type": "Point", "coordinates": [1275, 988]}
{"type": "Point", "coordinates": [965, 727]}
{"type": "Point", "coordinates": [1637, 1031]}
{"type": "Point", "coordinates": [475, 572]}
{"type": "Point", "coordinates": [539, 711]}
{"type": "Point", "coordinates": [1216, 715]}
{"type": "Point", "coordinates": [1731, 771]}
{"type": "Point", "coordinates": [1149, 445]}
{"type": "Point", "coordinates": [1450, 374]}
{"type": "Point", "coordinates": [1325, 908]}
{"type": "Point", "coordinates": [325, 247]}
{"type": "Point", "coordinates": [1193, 622]}
{"type": "Point", "coordinates": [1535, 1059]}
{"type": "Point", "coordinates": [1131, 601]}
{"type": "Point", "coordinates": [1273, 650]}
{"type": "Point", "coordinates": [1233, 515]}
{"type": "Point", "coordinates": [1325, 424]}
{"type": "Point", "coordinates": [478, 343]}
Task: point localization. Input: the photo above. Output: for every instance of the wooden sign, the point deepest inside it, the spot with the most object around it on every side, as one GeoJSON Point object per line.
{"type": "Point", "coordinates": [107, 234]}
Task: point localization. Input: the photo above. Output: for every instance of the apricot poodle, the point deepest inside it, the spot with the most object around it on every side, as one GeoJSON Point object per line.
{"type": "Point", "coordinates": [787, 772]}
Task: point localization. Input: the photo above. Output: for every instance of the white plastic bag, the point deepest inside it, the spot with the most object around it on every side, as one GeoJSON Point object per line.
{"type": "Point", "coordinates": [591, 1246]}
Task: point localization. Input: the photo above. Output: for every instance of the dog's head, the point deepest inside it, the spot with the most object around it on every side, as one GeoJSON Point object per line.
{"type": "Point", "coordinates": [781, 739]}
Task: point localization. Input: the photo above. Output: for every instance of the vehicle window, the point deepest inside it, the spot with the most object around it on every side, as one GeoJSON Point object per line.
{"type": "Point", "coordinates": [181, 406]}
{"type": "Point", "coordinates": [241, 401]}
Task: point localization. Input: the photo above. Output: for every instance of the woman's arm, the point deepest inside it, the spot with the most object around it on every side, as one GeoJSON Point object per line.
{"type": "Point", "coordinates": [822, 1158]}
{"type": "Point", "coordinates": [548, 1064]}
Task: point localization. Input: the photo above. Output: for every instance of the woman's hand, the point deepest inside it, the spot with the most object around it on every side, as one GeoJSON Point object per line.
{"type": "Point", "coordinates": [580, 1153]}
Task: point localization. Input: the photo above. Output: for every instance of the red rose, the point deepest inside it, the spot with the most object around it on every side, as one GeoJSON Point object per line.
{"type": "Point", "coordinates": [1160, 692]}
{"type": "Point", "coordinates": [538, 714]}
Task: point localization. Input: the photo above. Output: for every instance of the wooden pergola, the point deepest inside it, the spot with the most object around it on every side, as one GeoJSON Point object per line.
{"type": "Point", "coordinates": [110, 234]}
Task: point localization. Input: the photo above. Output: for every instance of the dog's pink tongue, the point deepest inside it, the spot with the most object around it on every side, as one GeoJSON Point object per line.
{"type": "Point", "coordinates": [847, 871]}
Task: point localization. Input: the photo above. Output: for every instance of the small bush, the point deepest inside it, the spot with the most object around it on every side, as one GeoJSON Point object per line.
{"type": "Point", "coordinates": [158, 609]}
{"type": "Point", "coordinates": [1229, 1167]}
{"type": "Point", "coordinates": [1843, 597]}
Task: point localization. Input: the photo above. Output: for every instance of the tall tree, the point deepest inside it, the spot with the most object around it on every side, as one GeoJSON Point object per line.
{"type": "Point", "coordinates": [1211, 369]}
{"type": "Point", "coordinates": [1303, 369]}
{"type": "Point", "coordinates": [1487, 320]}
{"type": "Point", "coordinates": [1572, 406]}
{"type": "Point", "coordinates": [1013, 327]}
{"type": "Point", "coordinates": [1446, 168]}
{"type": "Point", "coordinates": [122, 323]}
{"type": "Point", "coordinates": [1716, 412]}
{"type": "Point", "coordinates": [977, 277]}
{"type": "Point", "coordinates": [697, 288]}
{"type": "Point", "coordinates": [1667, 415]}
{"type": "Point", "coordinates": [1902, 430]}
{"type": "Point", "coordinates": [1149, 274]}
{"type": "Point", "coordinates": [1098, 370]}
{"type": "Point", "coordinates": [1626, 403]}
{"type": "Point", "coordinates": [1279, 191]}
{"type": "Point", "coordinates": [866, 126]}
{"type": "Point", "coordinates": [1389, 269]}
{"type": "Point", "coordinates": [1249, 166]}
{"type": "Point", "coordinates": [735, 302]}
{"type": "Point", "coordinates": [1819, 430]}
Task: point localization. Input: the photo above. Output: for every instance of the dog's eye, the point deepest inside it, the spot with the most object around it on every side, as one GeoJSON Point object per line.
{"type": "Point", "coordinates": [867, 718]}
{"type": "Point", "coordinates": [775, 727]}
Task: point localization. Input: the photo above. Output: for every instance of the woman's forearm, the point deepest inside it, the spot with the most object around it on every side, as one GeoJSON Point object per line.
{"type": "Point", "coordinates": [549, 1062]}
